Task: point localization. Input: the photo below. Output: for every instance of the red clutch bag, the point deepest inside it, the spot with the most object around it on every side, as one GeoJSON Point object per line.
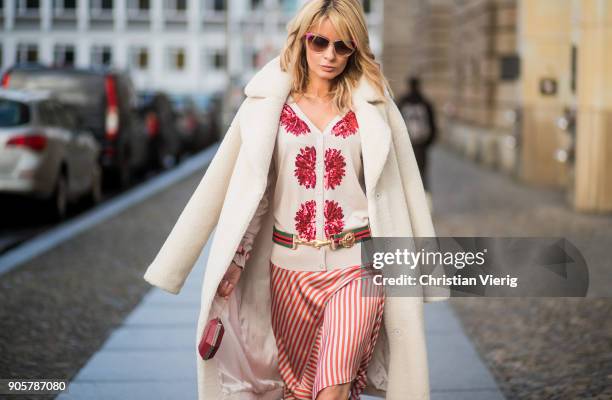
{"type": "Point", "coordinates": [211, 338]}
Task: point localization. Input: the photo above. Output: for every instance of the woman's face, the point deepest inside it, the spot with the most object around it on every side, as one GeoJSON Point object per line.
{"type": "Point", "coordinates": [318, 62]}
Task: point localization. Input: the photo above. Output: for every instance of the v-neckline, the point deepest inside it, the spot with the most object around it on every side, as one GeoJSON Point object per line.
{"type": "Point", "coordinates": [300, 111]}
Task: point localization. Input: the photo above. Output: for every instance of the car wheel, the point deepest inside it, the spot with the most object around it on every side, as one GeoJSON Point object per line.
{"type": "Point", "coordinates": [58, 203]}
{"type": "Point", "coordinates": [169, 161]}
{"type": "Point", "coordinates": [125, 173]}
{"type": "Point", "coordinates": [96, 192]}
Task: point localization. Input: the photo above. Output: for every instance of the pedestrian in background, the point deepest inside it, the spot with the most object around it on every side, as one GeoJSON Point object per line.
{"type": "Point", "coordinates": [419, 116]}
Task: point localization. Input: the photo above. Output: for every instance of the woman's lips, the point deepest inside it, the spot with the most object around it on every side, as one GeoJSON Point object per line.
{"type": "Point", "coordinates": [327, 68]}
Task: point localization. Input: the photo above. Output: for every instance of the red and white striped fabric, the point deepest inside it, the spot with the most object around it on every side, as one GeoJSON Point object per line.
{"type": "Point", "coordinates": [326, 324]}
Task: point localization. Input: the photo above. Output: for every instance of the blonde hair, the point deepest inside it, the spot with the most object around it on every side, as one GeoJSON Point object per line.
{"type": "Point", "coordinates": [347, 18]}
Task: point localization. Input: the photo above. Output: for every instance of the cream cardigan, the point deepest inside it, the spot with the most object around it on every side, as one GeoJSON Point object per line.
{"type": "Point", "coordinates": [319, 190]}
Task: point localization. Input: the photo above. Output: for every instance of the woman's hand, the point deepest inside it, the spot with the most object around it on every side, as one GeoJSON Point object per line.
{"type": "Point", "coordinates": [229, 281]}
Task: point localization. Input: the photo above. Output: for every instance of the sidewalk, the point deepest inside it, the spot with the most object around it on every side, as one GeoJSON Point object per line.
{"type": "Point", "coordinates": [155, 360]}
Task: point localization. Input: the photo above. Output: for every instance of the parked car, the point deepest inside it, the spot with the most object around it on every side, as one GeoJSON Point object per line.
{"type": "Point", "coordinates": [161, 125]}
{"type": "Point", "coordinates": [43, 153]}
{"type": "Point", "coordinates": [213, 111]}
{"type": "Point", "coordinates": [107, 103]}
{"type": "Point", "coordinates": [195, 127]}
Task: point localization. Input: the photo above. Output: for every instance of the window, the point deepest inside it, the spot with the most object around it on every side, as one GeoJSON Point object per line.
{"type": "Point", "coordinates": [215, 5]}
{"type": "Point", "coordinates": [61, 118]}
{"type": "Point", "coordinates": [219, 5]}
{"type": "Point", "coordinates": [64, 6]}
{"type": "Point", "coordinates": [139, 57]}
{"type": "Point", "coordinates": [101, 55]}
{"type": "Point", "coordinates": [367, 6]}
{"type": "Point", "coordinates": [13, 113]}
{"type": "Point", "coordinates": [574, 68]}
{"type": "Point", "coordinates": [138, 7]}
{"type": "Point", "coordinates": [288, 6]}
{"type": "Point", "coordinates": [28, 7]}
{"type": "Point", "coordinates": [64, 55]}
{"type": "Point", "coordinates": [176, 58]}
{"type": "Point", "coordinates": [101, 7]}
{"type": "Point", "coordinates": [214, 59]}
{"type": "Point", "coordinates": [254, 58]}
{"type": "Point", "coordinates": [509, 67]}
{"type": "Point", "coordinates": [176, 6]}
{"type": "Point", "coordinates": [47, 114]}
{"type": "Point", "coordinates": [27, 53]}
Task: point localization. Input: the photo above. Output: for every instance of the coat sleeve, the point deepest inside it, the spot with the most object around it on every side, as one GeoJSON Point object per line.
{"type": "Point", "coordinates": [246, 244]}
{"type": "Point", "coordinates": [420, 214]}
{"type": "Point", "coordinates": [182, 247]}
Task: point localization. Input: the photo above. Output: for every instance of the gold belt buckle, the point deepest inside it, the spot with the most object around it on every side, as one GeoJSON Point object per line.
{"type": "Point", "coordinates": [318, 243]}
{"type": "Point", "coordinates": [348, 240]}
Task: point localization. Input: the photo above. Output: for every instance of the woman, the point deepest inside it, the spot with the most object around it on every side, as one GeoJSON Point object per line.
{"type": "Point", "coordinates": [326, 313]}
{"type": "Point", "coordinates": [317, 153]}
{"type": "Point", "coordinates": [315, 123]}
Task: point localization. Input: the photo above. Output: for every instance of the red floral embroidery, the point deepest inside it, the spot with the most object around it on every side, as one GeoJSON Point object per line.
{"type": "Point", "coordinates": [305, 166]}
{"type": "Point", "coordinates": [333, 218]}
{"type": "Point", "coordinates": [305, 220]}
{"type": "Point", "coordinates": [334, 168]}
{"type": "Point", "coordinates": [292, 122]}
{"type": "Point", "coordinates": [346, 126]}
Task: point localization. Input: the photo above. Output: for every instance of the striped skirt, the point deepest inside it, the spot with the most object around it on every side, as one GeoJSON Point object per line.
{"type": "Point", "coordinates": [325, 324]}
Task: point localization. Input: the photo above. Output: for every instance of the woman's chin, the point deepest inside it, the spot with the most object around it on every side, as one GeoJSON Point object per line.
{"type": "Point", "coordinates": [327, 74]}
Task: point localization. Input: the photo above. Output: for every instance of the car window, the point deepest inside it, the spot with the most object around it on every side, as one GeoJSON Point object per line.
{"type": "Point", "coordinates": [46, 114]}
{"type": "Point", "coordinates": [13, 113]}
{"type": "Point", "coordinates": [72, 120]}
{"type": "Point", "coordinates": [60, 115]}
{"type": "Point", "coordinates": [70, 117]}
{"type": "Point", "coordinates": [84, 90]}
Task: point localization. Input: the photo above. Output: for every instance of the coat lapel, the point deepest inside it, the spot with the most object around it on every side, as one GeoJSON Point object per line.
{"type": "Point", "coordinates": [267, 92]}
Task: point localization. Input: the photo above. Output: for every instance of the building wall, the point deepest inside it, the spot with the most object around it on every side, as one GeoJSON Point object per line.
{"type": "Point", "coordinates": [545, 52]}
{"type": "Point", "coordinates": [592, 31]}
{"type": "Point", "coordinates": [501, 74]}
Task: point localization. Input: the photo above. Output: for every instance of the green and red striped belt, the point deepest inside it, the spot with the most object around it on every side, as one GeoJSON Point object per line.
{"type": "Point", "coordinates": [344, 239]}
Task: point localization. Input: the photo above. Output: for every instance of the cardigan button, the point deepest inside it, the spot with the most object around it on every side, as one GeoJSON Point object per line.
{"type": "Point", "coordinates": [378, 195]}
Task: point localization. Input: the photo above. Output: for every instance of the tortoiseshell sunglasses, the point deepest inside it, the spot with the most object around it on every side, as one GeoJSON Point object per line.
{"type": "Point", "coordinates": [319, 43]}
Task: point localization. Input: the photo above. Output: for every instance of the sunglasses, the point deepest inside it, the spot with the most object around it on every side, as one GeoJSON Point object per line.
{"type": "Point", "coordinates": [318, 44]}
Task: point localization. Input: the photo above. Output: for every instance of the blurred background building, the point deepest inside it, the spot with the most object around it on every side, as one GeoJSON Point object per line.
{"type": "Point", "coordinates": [186, 46]}
{"type": "Point", "coordinates": [524, 87]}
{"type": "Point", "coordinates": [180, 47]}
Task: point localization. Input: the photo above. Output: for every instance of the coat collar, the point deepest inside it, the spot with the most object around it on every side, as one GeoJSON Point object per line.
{"type": "Point", "coordinates": [267, 92]}
{"type": "Point", "coordinates": [271, 81]}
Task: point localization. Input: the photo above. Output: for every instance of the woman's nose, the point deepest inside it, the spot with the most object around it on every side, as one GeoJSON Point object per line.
{"type": "Point", "coordinates": [330, 52]}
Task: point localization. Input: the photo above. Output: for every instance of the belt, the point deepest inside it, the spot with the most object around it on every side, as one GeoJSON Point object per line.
{"type": "Point", "coordinates": [345, 239]}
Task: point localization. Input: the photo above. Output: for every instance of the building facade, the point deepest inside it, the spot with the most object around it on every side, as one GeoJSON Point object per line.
{"type": "Point", "coordinates": [179, 46]}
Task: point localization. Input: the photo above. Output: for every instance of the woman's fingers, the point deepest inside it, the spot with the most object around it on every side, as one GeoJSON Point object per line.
{"type": "Point", "coordinates": [233, 274]}
{"type": "Point", "coordinates": [229, 280]}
